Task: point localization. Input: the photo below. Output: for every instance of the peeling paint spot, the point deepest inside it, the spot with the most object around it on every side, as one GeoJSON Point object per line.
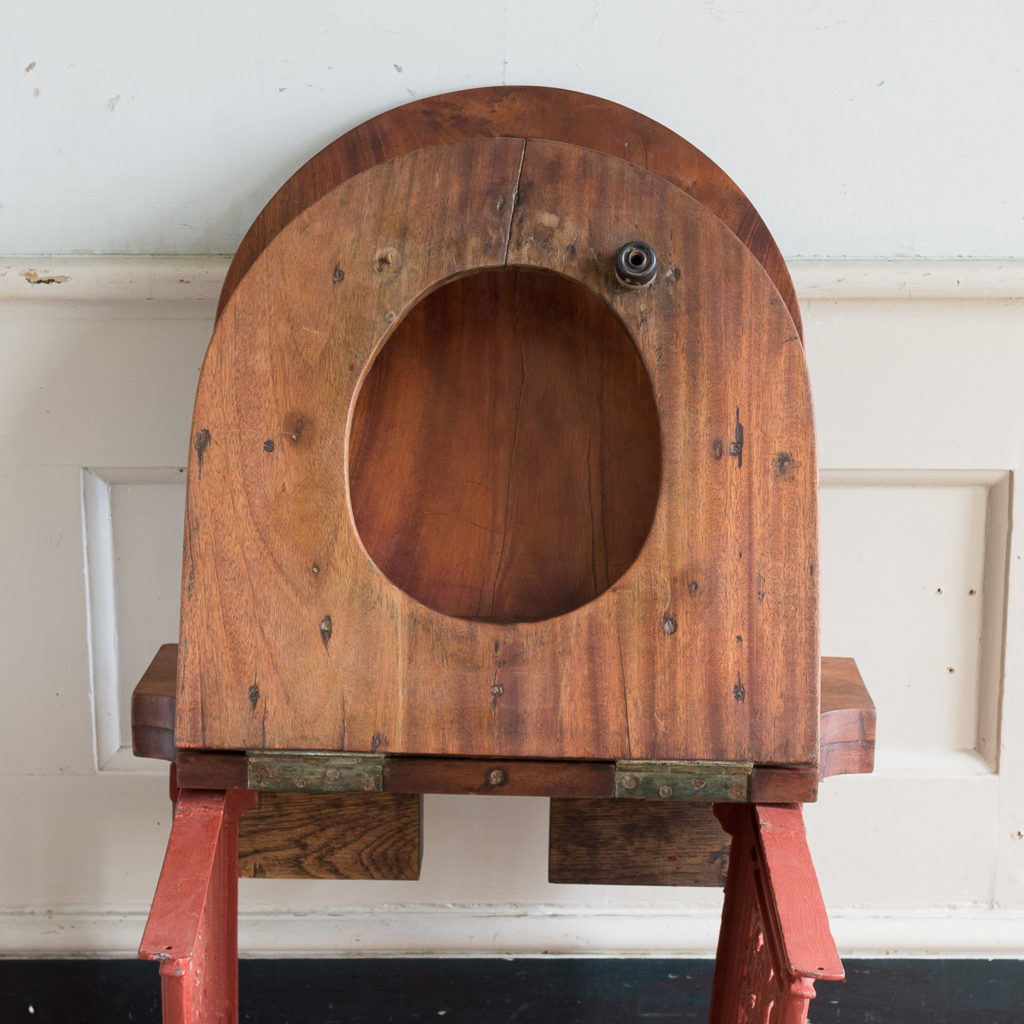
{"type": "Point", "coordinates": [33, 278]}
{"type": "Point", "coordinates": [397, 67]}
{"type": "Point", "coordinates": [113, 102]}
{"type": "Point", "coordinates": [29, 67]}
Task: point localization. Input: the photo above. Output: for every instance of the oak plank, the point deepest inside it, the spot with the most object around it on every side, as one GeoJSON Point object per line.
{"type": "Point", "coordinates": [331, 835]}
{"type": "Point", "coordinates": [636, 842]}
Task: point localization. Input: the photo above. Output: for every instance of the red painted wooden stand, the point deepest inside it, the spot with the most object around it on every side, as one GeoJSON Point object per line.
{"type": "Point", "coordinates": [193, 925]}
{"type": "Point", "coordinates": [503, 481]}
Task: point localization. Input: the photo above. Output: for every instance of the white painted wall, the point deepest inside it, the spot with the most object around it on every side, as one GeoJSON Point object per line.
{"type": "Point", "coordinates": [859, 130]}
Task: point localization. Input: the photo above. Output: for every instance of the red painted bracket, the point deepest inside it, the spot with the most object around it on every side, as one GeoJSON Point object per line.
{"type": "Point", "coordinates": [192, 929]}
{"type": "Point", "coordinates": [775, 940]}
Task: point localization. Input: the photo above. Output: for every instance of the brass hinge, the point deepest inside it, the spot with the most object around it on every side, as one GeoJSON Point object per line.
{"type": "Point", "coordinates": [294, 771]}
{"type": "Point", "coordinates": [704, 781]}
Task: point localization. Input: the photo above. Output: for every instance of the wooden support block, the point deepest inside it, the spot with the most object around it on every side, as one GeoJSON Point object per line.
{"type": "Point", "coordinates": [846, 726]}
{"type": "Point", "coordinates": [153, 706]}
{"type": "Point", "coordinates": [331, 835]}
{"type": "Point", "coordinates": [636, 842]}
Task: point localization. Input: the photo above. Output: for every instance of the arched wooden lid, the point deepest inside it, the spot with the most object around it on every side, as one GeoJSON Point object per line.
{"type": "Point", "coordinates": [511, 111]}
{"type": "Point", "coordinates": [706, 648]}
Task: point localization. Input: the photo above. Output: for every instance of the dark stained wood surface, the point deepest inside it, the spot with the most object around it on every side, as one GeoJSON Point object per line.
{"type": "Point", "coordinates": [499, 777]}
{"type": "Point", "coordinates": [636, 842]}
{"type": "Point", "coordinates": [518, 112]}
{"type": "Point", "coordinates": [212, 769]}
{"type": "Point", "coordinates": [291, 638]}
{"type": "Point", "coordinates": [847, 746]}
{"type": "Point", "coordinates": [328, 835]}
{"type": "Point", "coordinates": [847, 730]}
{"type": "Point", "coordinates": [153, 706]}
{"type": "Point", "coordinates": [553, 500]}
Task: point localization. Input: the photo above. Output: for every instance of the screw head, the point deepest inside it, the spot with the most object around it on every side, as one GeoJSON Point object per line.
{"type": "Point", "coordinates": [629, 782]}
{"type": "Point", "coordinates": [368, 785]}
{"type": "Point", "coordinates": [665, 792]}
{"type": "Point", "coordinates": [332, 775]}
{"type": "Point", "coordinates": [300, 782]}
{"type": "Point", "coordinates": [497, 777]}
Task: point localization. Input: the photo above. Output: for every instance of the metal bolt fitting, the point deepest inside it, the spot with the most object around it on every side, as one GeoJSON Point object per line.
{"type": "Point", "coordinates": [636, 266]}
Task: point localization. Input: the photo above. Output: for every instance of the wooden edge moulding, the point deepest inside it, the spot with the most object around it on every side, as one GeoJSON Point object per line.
{"type": "Point", "coordinates": [847, 733]}
{"type": "Point", "coordinates": [503, 481]}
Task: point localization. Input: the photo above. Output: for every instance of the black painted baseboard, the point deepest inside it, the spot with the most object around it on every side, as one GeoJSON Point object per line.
{"type": "Point", "coordinates": [553, 991]}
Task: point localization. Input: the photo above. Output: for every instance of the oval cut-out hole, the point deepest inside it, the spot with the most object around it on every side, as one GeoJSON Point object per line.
{"type": "Point", "coordinates": [505, 455]}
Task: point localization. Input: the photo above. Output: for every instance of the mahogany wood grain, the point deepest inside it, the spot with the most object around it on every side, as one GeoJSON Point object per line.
{"type": "Point", "coordinates": [847, 729]}
{"type": "Point", "coordinates": [328, 835]}
{"type": "Point", "coordinates": [499, 777]}
{"type": "Point", "coordinates": [636, 842]}
{"type": "Point", "coordinates": [797, 784]}
{"type": "Point", "coordinates": [293, 639]}
{"type": "Point", "coordinates": [153, 704]}
{"type": "Point", "coordinates": [518, 112]}
{"type": "Point", "coordinates": [551, 501]}
{"type": "Point", "coordinates": [212, 769]}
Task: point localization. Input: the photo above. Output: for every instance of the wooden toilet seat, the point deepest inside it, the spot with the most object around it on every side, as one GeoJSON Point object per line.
{"type": "Point", "coordinates": [701, 649]}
